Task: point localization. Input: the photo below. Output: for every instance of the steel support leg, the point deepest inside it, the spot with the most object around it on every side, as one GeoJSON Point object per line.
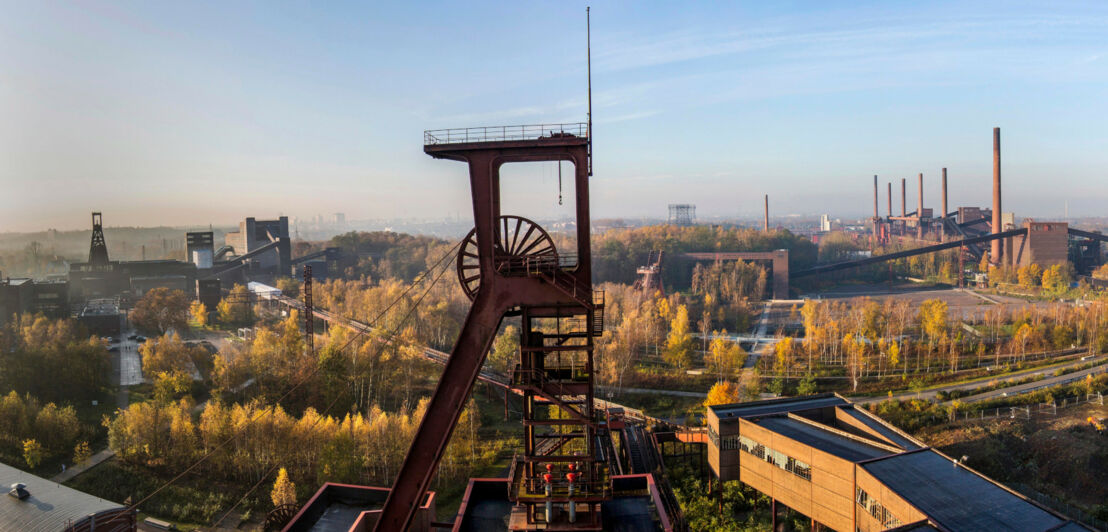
{"type": "Point", "coordinates": [443, 412]}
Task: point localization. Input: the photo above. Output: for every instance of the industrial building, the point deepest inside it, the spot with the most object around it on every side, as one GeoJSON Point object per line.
{"type": "Point", "coordinates": [20, 296]}
{"type": "Point", "coordinates": [253, 235]}
{"type": "Point", "coordinates": [259, 250]}
{"type": "Point", "coordinates": [41, 504]}
{"type": "Point", "coordinates": [847, 469]}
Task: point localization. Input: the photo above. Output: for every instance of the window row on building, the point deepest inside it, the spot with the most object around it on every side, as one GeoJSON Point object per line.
{"type": "Point", "coordinates": [875, 509]}
{"type": "Point", "coordinates": [726, 443]}
{"type": "Point", "coordinates": [777, 458]}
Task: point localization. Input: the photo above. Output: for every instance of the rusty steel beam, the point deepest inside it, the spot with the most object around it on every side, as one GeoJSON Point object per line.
{"type": "Point", "coordinates": [828, 268]}
{"type": "Point", "coordinates": [496, 295]}
{"type": "Point", "coordinates": [995, 254]}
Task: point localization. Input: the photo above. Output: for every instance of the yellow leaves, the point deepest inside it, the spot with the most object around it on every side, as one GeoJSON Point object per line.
{"type": "Point", "coordinates": [284, 491]}
{"type": "Point", "coordinates": [721, 393]}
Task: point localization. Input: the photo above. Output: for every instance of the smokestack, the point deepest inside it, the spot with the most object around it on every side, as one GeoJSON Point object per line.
{"type": "Point", "coordinates": [875, 215]}
{"type": "Point", "coordinates": [919, 209]}
{"type": "Point", "coordinates": [995, 254]}
{"type": "Point", "coordinates": [890, 199]}
{"type": "Point", "coordinates": [765, 222]}
{"type": "Point", "coordinates": [942, 228]}
{"type": "Point", "coordinates": [903, 197]}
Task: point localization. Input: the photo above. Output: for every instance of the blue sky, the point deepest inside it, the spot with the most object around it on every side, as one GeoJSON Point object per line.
{"type": "Point", "coordinates": [195, 113]}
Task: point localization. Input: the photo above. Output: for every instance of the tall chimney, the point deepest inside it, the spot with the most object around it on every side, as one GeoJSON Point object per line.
{"type": "Point", "coordinates": [919, 210]}
{"type": "Point", "coordinates": [765, 222]}
{"type": "Point", "coordinates": [890, 199]}
{"type": "Point", "coordinates": [903, 197]}
{"type": "Point", "coordinates": [942, 227]}
{"type": "Point", "coordinates": [994, 257]}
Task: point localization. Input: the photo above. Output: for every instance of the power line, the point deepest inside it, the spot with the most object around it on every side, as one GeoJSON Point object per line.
{"type": "Point", "coordinates": [390, 336]}
{"type": "Point", "coordinates": [308, 377]}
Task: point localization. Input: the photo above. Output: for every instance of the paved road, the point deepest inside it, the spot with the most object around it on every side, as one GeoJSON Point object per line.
{"type": "Point", "coordinates": [1031, 386]}
{"type": "Point", "coordinates": [763, 326]}
{"type": "Point", "coordinates": [130, 363]}
{"type": "Point", "coordinates": [930, 394]}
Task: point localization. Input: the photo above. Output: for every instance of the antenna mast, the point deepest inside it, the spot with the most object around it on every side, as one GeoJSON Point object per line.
{"type": "Point", "coordinates": [588, 51]}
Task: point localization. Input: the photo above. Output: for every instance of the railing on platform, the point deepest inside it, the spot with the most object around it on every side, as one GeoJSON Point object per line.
{"type": "Point", "coordinates": [533, 489]}
{"type": "Point", "coordinates": [505, 133]}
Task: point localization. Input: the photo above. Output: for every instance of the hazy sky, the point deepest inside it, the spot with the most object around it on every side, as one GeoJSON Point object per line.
{"type": "Point", "coordinates": [195, 113]}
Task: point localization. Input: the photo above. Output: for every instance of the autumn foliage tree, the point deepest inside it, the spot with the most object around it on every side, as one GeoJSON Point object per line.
{"type": "Point", "coordinates": [722, 393]}
{"type": "Point", "coordinates": [235, 308]}
{"type": "Point", "coordinates": [160, 310]}
{"type": "Point", "coordinates": [679, 343]}
{"type": "Point", "coordinates": [284, 491]}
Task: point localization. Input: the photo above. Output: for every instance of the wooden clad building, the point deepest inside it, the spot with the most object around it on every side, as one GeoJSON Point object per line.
{"type": "Point", "coordinates": [847, 469]}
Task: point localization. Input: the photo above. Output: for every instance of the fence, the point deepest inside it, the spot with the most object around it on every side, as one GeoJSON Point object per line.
{"type": "Point", "coordinates": [1060, 506]}
{"type": "Point", "coordinates": [1027, 411]}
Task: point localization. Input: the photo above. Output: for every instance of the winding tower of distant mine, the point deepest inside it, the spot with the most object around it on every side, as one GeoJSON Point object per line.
{"type": "Point", "coordinates": [509, 266]}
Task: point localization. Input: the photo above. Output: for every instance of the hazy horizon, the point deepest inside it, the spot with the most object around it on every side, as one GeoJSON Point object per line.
{"type": "Point", "coordinates": [206, 113]}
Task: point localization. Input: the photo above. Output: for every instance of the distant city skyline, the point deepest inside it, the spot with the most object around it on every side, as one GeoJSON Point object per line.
{"type": "Point", "coordinates": [205, 113]}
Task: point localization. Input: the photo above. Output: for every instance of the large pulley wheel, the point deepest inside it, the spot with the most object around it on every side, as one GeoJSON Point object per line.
{"type": "Point", "coordinates": [517, 238]}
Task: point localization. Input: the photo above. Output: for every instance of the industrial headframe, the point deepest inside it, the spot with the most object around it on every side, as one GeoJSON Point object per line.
{"type": "Point", "coordinates": [508, 265]}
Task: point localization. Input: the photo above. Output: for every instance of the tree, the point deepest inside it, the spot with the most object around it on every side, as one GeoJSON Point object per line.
{"type": "Point", "coordinates": [724, 356]}
{"type": "Point", "coordinates": [169, 354]}
{"type": "Point", "coordinates": [160, 310]}
{"type": "Point", "coordinates": [81, 452]}
{"type": "Point", "coordinates": [679, 342]}
{"type": "Point", "coordinates": [855, 347]}
{"type": "Point", "coordinates": [722, 393]}
{"type": "Point", "coordinates": [32, 453]}
{"type": "Point", "coordinates": [289, 287]}
{"type": "Point", "coordinates": [1057, 278]}
{"type": "Point", "coordinates": [783, 352]}
{"type": "Point", "coordinates": [807, 386]}
{"type": "Point", "coordinates": [505, 350]}
{"type": "Point", "coordinates": [235, 309]}
{"type": "Point", "coordinates": [933, 323]}
{"type": "Point", "coordinates": [199, 313]}
{"type": "Point", "coordinates": [284, 491]}
{"type": "Point", "coordinates": [168, 386]}
{"type": "Point", "coordinates": [1030, 276]}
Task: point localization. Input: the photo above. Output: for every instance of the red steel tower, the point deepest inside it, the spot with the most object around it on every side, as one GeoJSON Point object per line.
{"type": "Point", "coordinates": [509, 266]}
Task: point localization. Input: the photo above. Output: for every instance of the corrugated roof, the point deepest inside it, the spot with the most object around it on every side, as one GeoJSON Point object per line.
{"type": "Point", "coordinates": [882, 429]}
{"type": "Point", "coordinates": [824, 440]}
{"type": "Point", "coordinates": [955, 497]}
{"type": "Point", "coordinates": [777, 406]}
{"type": "Point", "coordinates": [51, 506]}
